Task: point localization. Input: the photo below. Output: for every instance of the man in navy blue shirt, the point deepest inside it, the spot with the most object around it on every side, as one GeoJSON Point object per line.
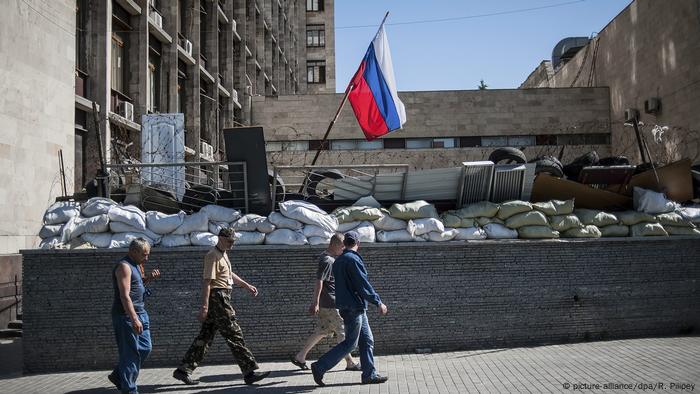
{"type": "Point", "coordinates": [353, 292]}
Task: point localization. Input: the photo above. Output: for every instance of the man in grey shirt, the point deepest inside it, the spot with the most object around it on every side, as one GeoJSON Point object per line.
{"type": "Point", "coordinates": [329, 322]}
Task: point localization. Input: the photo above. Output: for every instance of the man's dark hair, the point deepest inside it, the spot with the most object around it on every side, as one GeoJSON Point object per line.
{"type": "Point", "coordinates": [226, 232]}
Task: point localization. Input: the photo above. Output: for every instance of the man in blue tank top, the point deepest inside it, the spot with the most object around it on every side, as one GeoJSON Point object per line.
{"type": "Point", "coordinates": [129, 317]}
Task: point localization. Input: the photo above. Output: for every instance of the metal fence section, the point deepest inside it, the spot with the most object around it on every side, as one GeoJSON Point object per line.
{"type": "Point", "coordinates": [220, 183]}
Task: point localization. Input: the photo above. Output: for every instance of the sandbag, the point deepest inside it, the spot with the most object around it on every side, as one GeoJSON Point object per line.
{"type": "Point", "coordinates": [394, 236]}
{"type": "Point", "coordinates": [97, 206]}
{"type": "Point", "coordinates": [70, 230]}
{"type": "Point", "coordinates": [197, 222]}
{"type": "Point", "coordinates": [499, 231]}
{"type": "Point", "coordinates": [249, 222]}
{"type": "Point", "coordinates": [691, 214]}
{"type": "Point", "coordinates": [318, 241]}
{"type": "Point", "coordinates": [554, 207]}
{"type": "Point", "coordinates": [281, 221]}
{"type": "Point", "coordinates": [424, 226]}
{"type": "Point", "coordinates": [447, 235]}
{"type": "Point", "coordinates": [217, 213]}
{"type": "Point", "coordinates": [388, 223]}
{"type": "Point", "coordinates": [309, 214]}
{"type": "Point", "coordinates": [119, 227]}
{"type": "Point", "coordinates": [532, 218]}
{"type": "Point", "coordinates": [94, 224]}
{"type": "Point", "coordinates": [203, 238]}
{"type": "Point", "coordinates": [588, 231]}
{"type": "Point", "coordinates": [99, 240]}
{"type": "Point", "coordinates": [285, 236]}
{"type": "Point", "coordinates": [215, 227]}
{"type": "Point", "coordinates": [128, 214]}
{"type": "Point", "coordinates": [265, 226]}
{"type": "Point", "coordinates": [173, 240]}
{"type": "Point", "coordinates": [595, 217]}
{"type": "Point", "coordinates": [50, 243]}
{"type": "Point", "coordinates": [614, 230]}
{"type": "Point", "coordinates": [652, 202]}
{"type": "Point", "coordinates": [356, 213]}
{"type": "Point", "coordinates": [478, 209]}
{"type": "Point", "coordinates": [673, 219]}
{"type": "Point", "coordinates": [413, 210]}
{"type": "Point", "coordinates": [250, 238]}
{"type": "Point", "coordinates": [449, 219]}
{"type": "Point", "coordinates": [50, 230]}
{"type": "Point", "coordinates": [314, 231]}
{"type": "Point", "coordinates": [648, 230]}
{"type": "Point", "coordinates": [123, 240]}
{"type": "Point", "coordinates": [629, 218]}
{"type": "Point", "coordinates": [484, 220]}
{"type": "Point", "coordinates": [345, 227]}
{"type": "Point", "coordinates": [470, 233]}
{"type": "Point", "coordinates": [537, 232]}
{"type": "Point", "coordinates": [161, 223]}
{"type": "Point", "coordinates": [510, 208]}
{"type": "Point", "coordinates": [61, 212]}
{"type": "Point", "coordinates": [546, 207]}
{"type": "Point", "coordinates": [366, 231]}
{"type": "Point", "coordinates": [564, 222]}
{"type": "Point", "coordinates": [681, 230]}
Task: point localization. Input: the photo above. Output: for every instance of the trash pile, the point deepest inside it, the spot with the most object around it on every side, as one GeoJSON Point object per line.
{"type": "Point", "coordinates": [102, 223]}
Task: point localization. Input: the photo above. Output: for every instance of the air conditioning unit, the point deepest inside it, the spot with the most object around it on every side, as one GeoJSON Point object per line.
{"type": "Point", "coordinates": [157, 19]}
{"type": "Point", "coordinates": [186, 45]}
{"type": "Point", "coordinates": [206, 151]}
{"type": "Point", "coordinates": [126, 110]}
{"type": "Point", "coordinates": [631, 114]}
{"type": "Point", "coordinates": [652, 105]}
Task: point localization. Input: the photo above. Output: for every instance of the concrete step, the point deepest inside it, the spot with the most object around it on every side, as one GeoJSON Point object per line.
{"type": "Point", "coordinates": [15, 324]}
{"type": "Point", "coordinates": [10, 333]}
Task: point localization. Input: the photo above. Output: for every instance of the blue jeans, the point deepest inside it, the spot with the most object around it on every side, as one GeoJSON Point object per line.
{"type": "Point", "coordinates": [357, 332]}
{"type": "Point", "coordinates": [133, 349]}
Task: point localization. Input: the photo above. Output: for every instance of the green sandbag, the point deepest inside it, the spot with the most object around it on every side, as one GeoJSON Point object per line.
{"type": "Point", "coordinates": [468, 222]}
{"type": "Point", "coordinates": [413, 210]}
{"type": "Point", "coordinates": [565, 222]}
{"type": "Point", "coordinates": [554, 207]}
{"type": "Point", "coordinates": [595, 217]}
{"type": "Point", "coordinates": [629, 218]}
{"type": "Point", "coordinates": [537, 232]}
{"type": "Point", "coordinates": [478, 209]}
{"type": "Point", "coordinates": [680, 230]}
{"type": "Point", "coordinates": [483, 221]}
{"type": "Point", "coordinates": [357, 214]}
{"type": "Point", "coordinates": [647, 230]}
{"type": "Point", "coordinates": [510, 208]}
{"type": "Point", "coordinates": [589, 231]}
{"type": "Point", "coordinates": [614, 230]}
{"type": "Point", "coordinates": [449, 219]}
{"type": "Point", "coordinates": [532, 218]}
{"type": "Point", "coordinates": [673, 219]}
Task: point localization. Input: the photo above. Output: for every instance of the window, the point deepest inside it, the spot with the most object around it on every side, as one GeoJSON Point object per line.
{"type": "Point", "coordinates": [443, 143]}
{"type": "Point", "coordinates": [521, 140]}
{"type": "Point", "coordinates": [316, 35]}
{"type": "Point", "coordinates": [343, 144]}
{"type": "Point", "coordinates": [418, 143]}
{"type": "Point", "coordinates": [469, 142]}
{"type": "Point", "coordinates": [316, 71]}
{"type": "Point", "coordinates": [546, 139]}
{"type": "Point", "coordinates": [314, 5]}
{"type": "Point", "coordinates": [318, 144]}
{"type": "Point", "coordinates": [181, 78]}
{"type": "Point", "coordinates": [154, 75]}
{"type": "Point", "coordinates": [81, 15]}
{"type": "Point", "coordinates": [278, 146]}
{"type": "Point", "coordinates": [370, 145]}
{"type": "Point", "coordinates": [182, 19]}
{"type": "Point", "coordinates": [394, 143]}
{"type": "Point", "coordinates": [118, 69]}
{"type": "Point", "coordinates": [494, 141]}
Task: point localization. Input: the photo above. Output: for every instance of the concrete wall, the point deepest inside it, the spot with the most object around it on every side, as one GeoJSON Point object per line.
{"type": "Point", "coordinates": [444, 297]}
{"type": "Point", "coordinates": [37, 66]}
{"type": "Point", "coordinates": [438, 114]}
{"type": "Point", "coordinates": [649, 50]}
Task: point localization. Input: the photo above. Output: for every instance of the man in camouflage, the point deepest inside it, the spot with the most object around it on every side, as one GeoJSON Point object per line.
{"type": "Point", "coordinates": [217, 314]}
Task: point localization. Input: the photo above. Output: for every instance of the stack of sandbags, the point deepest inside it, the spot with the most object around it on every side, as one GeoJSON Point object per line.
{"type": "Point", "coordinates": [300, 223]}
{"type": "Point", "coordinates": [250, 229]}
{"type": "Point", "coordinates": [675, 224]}
{"type": "Point", "coordinates": [359, 218]}
{"type": "Point", "coordinates": [421, 224]}
{"type": "Point", "coordinates": [528, 222]}
{"type": "Point", "coordinates": [479, 221]}
{"type": "Point", "coordinates": [55, 218]}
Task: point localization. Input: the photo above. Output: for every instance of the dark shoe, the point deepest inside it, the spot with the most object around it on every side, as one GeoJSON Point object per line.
{"type": "Point", "coordinates": [318, 376]}
{"type": "Point", "coordinates": [184, 377]}
{"type": "Point", "coordinates": [376, 379]}
{"type": "Point", "coordinates": [299, 364]}
{"type": "Point", "coordinates": [115, 381]}
{"type": "Point", "coordinates": [354, 367]}
{"type": "Point", "coordinates": [252, 377]}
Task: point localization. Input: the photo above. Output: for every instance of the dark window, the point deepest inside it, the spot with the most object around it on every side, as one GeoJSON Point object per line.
{"type": "Point", "coordinates": [546, 139]}
{"type": "Point", "coordinates": [81, 17]}
{"type": "Point", "coordinates": [597, 139]}
{"type": "Point", "coordinates": [316, 71]}
{"type": "Point", "coordinates": [79, 154]}
{"type": "Point", "coordinates": [317, 144]}
{"type": "Point", "coordinates": [315, 35]}
{"type": "Point", "coordinates": [467, 142]}
{"type": "Point", "coordinates": [182, 18]}
{"type": "Point", "coordinates": [314, 5]}
{"type": "Point", "coordinates": [119, 58]}
{"type": "Point", "coordinates": [394, 143]}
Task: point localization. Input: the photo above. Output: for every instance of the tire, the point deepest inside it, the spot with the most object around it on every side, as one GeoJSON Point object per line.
{"type": "Point", "coordinates": [573, 169]}
{"type": "Point", "coordinates": [614, 161]}
{"type": "Point", "coordinates": [549, 165]}
{"type": "Point", "coordinates": [316, 177]}
{"type": "Point", "coordinates": [509, 155]}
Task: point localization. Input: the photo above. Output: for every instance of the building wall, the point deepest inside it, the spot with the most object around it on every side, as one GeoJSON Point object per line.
{"type": "Point", "coordinates": [453, 114]}
{"type": "Point", "coordinates": [36, 113]}
{"type": "Point", "coordinates": [444, 297]}
{"type": "Point", "coordinates": [649, 50]}
{"type": "Point", "coordinates": [327, 52]}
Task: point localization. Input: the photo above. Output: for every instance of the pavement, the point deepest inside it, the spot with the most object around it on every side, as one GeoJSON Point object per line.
{"type": "Point", "coordinates": [623, 366]}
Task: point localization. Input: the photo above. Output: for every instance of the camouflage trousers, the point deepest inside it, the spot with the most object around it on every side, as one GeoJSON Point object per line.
{"type": "Point", "coordinates": [221, 318]}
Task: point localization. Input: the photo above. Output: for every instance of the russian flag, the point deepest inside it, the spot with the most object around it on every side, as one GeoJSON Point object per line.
{"type": "Point", "coordinates": [373, 93]}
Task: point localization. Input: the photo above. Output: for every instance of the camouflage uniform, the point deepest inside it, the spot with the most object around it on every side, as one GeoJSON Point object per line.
{"type": "Point", "coordinates": [221, 317]}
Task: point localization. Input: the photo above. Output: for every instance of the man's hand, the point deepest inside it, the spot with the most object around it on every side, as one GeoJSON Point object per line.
{"type": "Point", "coordinates": [203, 314]}
{"type": "Point", "coordinates": [137, 326]}
{"type": "Point", "coordinates": [155, 274]}
{"type": "Point", "coordinates": [313, 309]}
{"type": "Point", "coordinates": [382, 309]}
{"type": "Point", "coordinates": [253, 290]}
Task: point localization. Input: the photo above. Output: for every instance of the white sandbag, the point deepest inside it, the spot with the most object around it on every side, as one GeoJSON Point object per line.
{"type": "Point", "coordinates": [128, 214]}
{"type": "Point", "coordinates": [319, 241]}
{"type": "Point", "coordinates": [215, 227]}
{"type": "Point", "coordinates": [420, 238]}
{"type": "Point", "coordinates": [50, 243]}
{"type": "Point", "coordinates": [70, 230]}
{"type": "Point", "coordinates": [285, 236]}
{"type": "Point", "coordinates": [345, 227]}
{"type": "Point", "coordinates": [61, 212]}
{"type": "Point", "coordinates": [394, 236]}
{"type": "Point", "coordinates": [172, 240]}
{"type": "Point", "coordinates": [99, 240]}
{"type": "Point", "coordinates": [265, 226]}
{"type": "Point", "coordinates": [424, 226]}
{"type": "Point", "coordinates": [95, 224]}
{"type": "Point", "coordinates": [554, 207]}
{"type": "Point", "coordinates": [470, 233]}
{"type": "Point", "coordinates": [388, 223]}
{"type": "Point", "coordinates": [588, 231]}
{"type": "Point", "coordinates": [250, 238]}
{"type": "Point", "coordinates": [673, 219]}
{"type": "Point", "coordinates": [691, 214]}
{"type": "Point", "coordinates": [161, 223]}
{"type": "Point", "coordinates": [367, 201]}
{"type": "Point", "coordinates": [248, 222]}
{"type": "Point", "coordinates": [217, 213]}
{"type": "Point", "coordinates": [531, 218]}
{"type": "Point", "coordinates": [629, 218]}
{"type": "Point", "coordinates": [366, 231]}
{"type": "Point", "coordinates": [203, 238]}
{"type": "Point", "coordinates": [198, 222]}
{"type": "Point", "coordinates": [119, 227]}
{"type": "Point", "coordinates": [510, 208]}
{"type": "Point", "coordinates": [652, 202]}
{"type": "Point", "coordinates": [413, 210]}
{"type": "Point", "coordinates": [281, 221]}
{"type": "Point", "coordinates": [97, 206]}
{"type": "Point", "coordinates": [478, 209]}
{"type": "Point", "coordinates": [447, 235]}
{"type": "Point", "coordinates": [309, 214]}
{"type": "Point", "coordinates": [614, 230]}
{"type": "Point", "coordinates": [537, 232]}
{"type": "Point", "coordinates": [648, 230]}
{"type": "Point", "coordinates": [122, 240]}
{"type": "Point", "coordinates": [681, 230]}
{"type": "Point", "coordinates": [50, 230]}
{"type": "Point", "coordinates": [314, 231]}
{"type": "Point", "coordinates": [499, 231]}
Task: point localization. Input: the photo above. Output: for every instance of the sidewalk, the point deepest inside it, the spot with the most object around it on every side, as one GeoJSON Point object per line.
{"type": "Point", "coordinates": [638, 365]}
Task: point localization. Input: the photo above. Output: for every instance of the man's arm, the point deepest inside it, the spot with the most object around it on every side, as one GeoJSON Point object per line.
{"type": "Point", "coordinates": [241, 283]}
{"type": "Point", "coordinates": [206, 289]}
{"type": "Point", "coordinates": [358, 277]}
{"type": "Point", "coordinates": [123, 273]}
{"type": "Point", "coordinates": [313, 309]}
